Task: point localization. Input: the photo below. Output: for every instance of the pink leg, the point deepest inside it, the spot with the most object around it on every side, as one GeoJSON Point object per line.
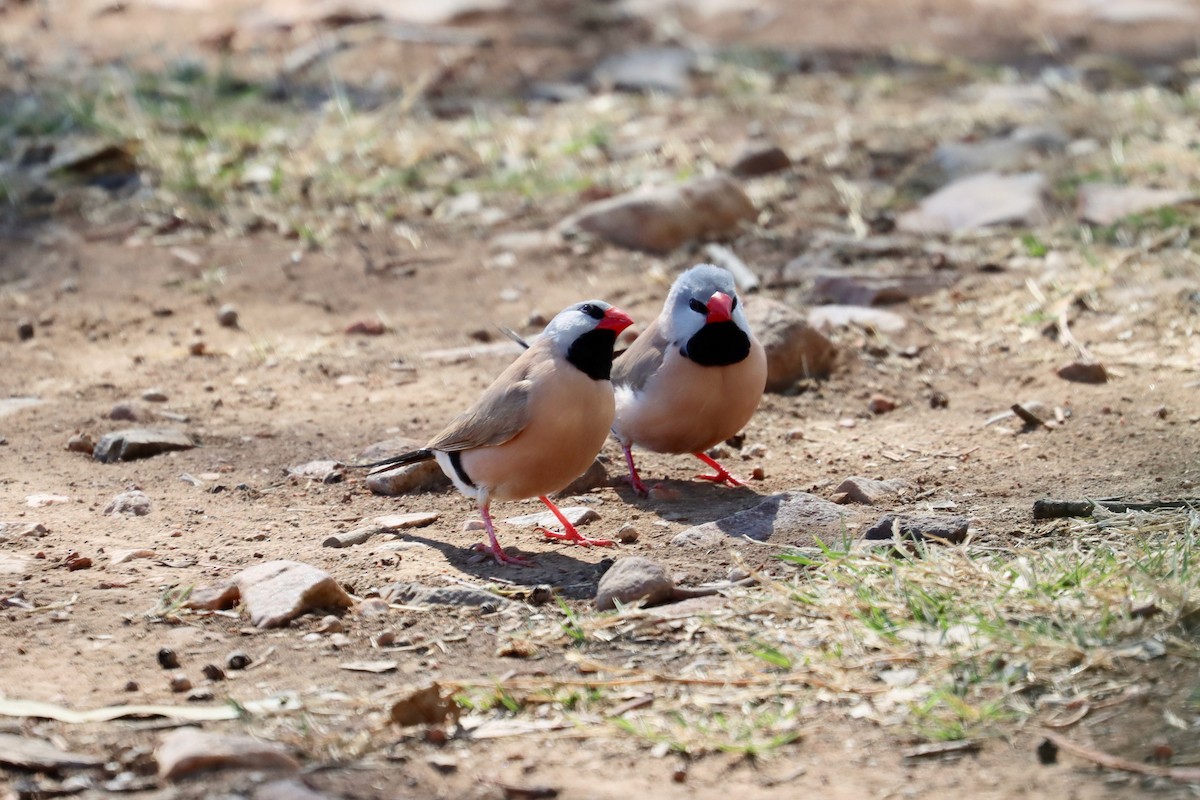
{"type": "Point", "coordinates": [570, 534]}
{"type": "Point", "coordinates": [635, 480]}
{"type": "Point", "coordinates": [494, 548]}
{"type": "Point", "coordinates": [722, 475]}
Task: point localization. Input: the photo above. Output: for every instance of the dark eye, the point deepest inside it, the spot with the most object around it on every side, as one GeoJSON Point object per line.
{"type": "Point", "coordinates": [697, 306]}
{"type": "Point", "coordinates": [733, 305]}
{"type": "Point", "coordinates": [592, 311]}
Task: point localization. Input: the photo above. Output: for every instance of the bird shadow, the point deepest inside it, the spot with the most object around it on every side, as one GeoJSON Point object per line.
{"type": "Point", "coordinates": [690, 501]}
{"type": "Point", "coordinates": [571, 577]}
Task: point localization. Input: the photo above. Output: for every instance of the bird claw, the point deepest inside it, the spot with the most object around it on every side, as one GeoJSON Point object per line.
{"type": "Point", "coordinates": [721, 477]}
{"type": "Point", "coordinates": [639, 488]}
{"type": "Point", "coordinates": [575, 537]}
{"type": "Point", "coordinates": [500, 557]}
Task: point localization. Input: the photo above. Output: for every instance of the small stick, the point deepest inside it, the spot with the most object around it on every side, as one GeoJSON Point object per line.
{"type": "Point", "coordinates": [743, 276]}
{"type": "Point", "coordinates": [1028, 417]}
{"type": "Point", "coordinates": [1181, 774]}
{"type": "Point", "coordinates": [1048, 508]}
{"type": "Point", "coordinates": [934, 749]}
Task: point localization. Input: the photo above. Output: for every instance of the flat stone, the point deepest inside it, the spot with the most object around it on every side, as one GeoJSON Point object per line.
{"type": "Point", "coordinates": [792, 518]}
{"type": "Point", "coordinates": [659, 220]}
{"type": "Point", "coordinates": [277, 592]}
{"type": "Point", "coordinates": [1002, 154]}
{"type": "Point", "coordinates": [11, 405]}
{"type": "Point", "coordinates": [134, 503]}
{"type": "Point", "coordinates": [21, 530]}
{"type": "Point", "coordinates": [121, 556]}
{"type": "Point", "coordinates": [189, 751]}
{"type": "Point", "coordinates": [631, 579]}
{"type": "Point", "coordinates": [859, 289]}
{"type": "Point", "coordinates": [1106, 204]}
{"type": "Point", "coordinates": [415, 594]}
{"type": "Point", "coordinates": [424, 476]}
{"type": "Point", "coordinates": [650, 69]}
{"type": "Point", "coordinates": [838, 316]}
{"type": "Point", "coordinates": [595, 477]}
{"type": "Point", "coordinates": [869, 491]}
{"type": "Point", "coordinates": [917, 527]}
{"type": "Point", "coordinates": [325, 471]}
{"type": "Point", "coordinates": [1083, 372]}
{"type": "Point", "coordinates": [979, 201]}
{"type": "Point", "coordinates": [134, 443]}
{"type": "Point", "coordinates": [217, 597]}
{"type": "Point", "coordinates": [759, 158]}
{"type": "Point", "coordinates": [26, 753]}
{"type": "Point", "coordinates": [794, 348]}
{"type": "Point", "coordinates": [576, 515]}
{"type": "Point", "coordinates": [43, 499]}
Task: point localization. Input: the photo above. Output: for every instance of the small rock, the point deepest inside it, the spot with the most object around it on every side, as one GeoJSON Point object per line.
{"type": "Point", "coordinates": [331, 624]}
{"type": "Point", "coordinates": [121, 556]}
{"type": "Point", "coordinates": [648, 69]}
{"type": "Point", "coordinates": [374, 607]}
{"type": "Point", "coordinates": [793, 518]}
{"type": "Point", "coordinates": [134, 443]}
{"type": "Point", "coordinates": [663, 493]}
{"type": "Point", "coordinates": [188, 751]}
{"type": "Point", "coordinates": [1106, 204]}
{"type": "Point", "coordinates": [424, 476]}
{"type": "Point", "coordinates": [167, 658]}
{"type": "Point", "coordinates": [154, 396]}
{"type": "Point", "coordinates": [237, 660]}
{"type": "Point", "coordinates": [631, 579]}
{"type": "Point", "coordinates": [576, 515]}
{"type": "Point", "coordinates": [659, 220]}
{"type": "Point", "coordinates": [325, 471]}
{"type": "Point", "coordinates": [276, 592]}
{"type": "Point", "coordinates": [126, 412]}
{"type": "Point", "coordinates": [952, 529]}
{"type": "Point", "coordinates": [628, 534]}
{"type": "Point", "coordinates": [219, 597]}
{"type": "Point", "coordinates": [415, 594]}
{"type": "Point", "coordinates": [939, 400]}
{"type": "Point", "coordinates": [131, 686]}
{"type": "Point", "coordinates": [871, 319]}
{"type": "Point", "coordinates": [979, 201]}
{"type": "Point", "coordinates": [81, 443]}
{"type": "Point", "coordinates": [227, 316]}
{"type": "Point", "coordinates": [869, 491]}
{"type": "Point", "coordinates": [180, 683]}
{"type": "Point", "coordinates": [426, 706]}
{"type": "Point", "coordinates": [1083, 372]}
{"type": "Point", "coordinates": [758, 474]}
{"type": "Point", "coordinates": [74, 562]}
{"type": "Point", "coordinates": [42, 500]}
{"type": "Point", "coordinates": [24, 330]}
{"type": "Point", "coordinates": [367, 327]}
{"type": "Point", "coordinates": [134, 503]}
{"type": "Point", "coordinates": [26, 753]}
{"type": "Point", "coordinates": [794, 348]}
{"type": "Point", "coordinates": [201, 695]}
{"type": "Point", "coordinates": [20, 530]}
{"type": "Point", "coordinates": [595, 477]}
{"type": "Point", "coordinates": [759, 158]}
{"type": "Point", "coordinates": [881, 404]}
{"type": "Point", "coordinates": [213, 672]}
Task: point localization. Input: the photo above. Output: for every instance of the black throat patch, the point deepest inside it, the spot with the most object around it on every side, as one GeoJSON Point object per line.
{"type": "Point", "coordinates": [718, 344]}
{"type": "Point", "coordinates": [592, 353]}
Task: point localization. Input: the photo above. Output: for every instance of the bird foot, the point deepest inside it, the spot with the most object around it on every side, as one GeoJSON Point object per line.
{"type": "Point", "coordinates": [639, 488]}
{"type": "Point", "coordinates": [500, 557]}
{"type": "Point", "coordinates": [575, 537]}
{"type": "Point", "coordinates": [721, 475]}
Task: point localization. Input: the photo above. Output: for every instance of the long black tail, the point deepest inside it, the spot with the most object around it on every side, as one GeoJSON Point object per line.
{"type": "Point", "coordinates": [402, 460]}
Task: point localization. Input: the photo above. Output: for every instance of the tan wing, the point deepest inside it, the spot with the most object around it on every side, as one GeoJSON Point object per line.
{"type": "Point", "coordinates": [499, 414]}
{"type": "Point", "coordinates": [642, 359]}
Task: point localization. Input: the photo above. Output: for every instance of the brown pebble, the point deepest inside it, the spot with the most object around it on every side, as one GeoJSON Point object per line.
{"type": "Point", "coordinates": [131, 686]}
{"type": "Point", "coordinates": [331, 624]}
{"type": "Point", "coordinates": [74, 562]}
{"type": "Point", "coordinates": [238, 660]}
{"type": "Point", "coordinates": [881, 404]}
{"type": "Point", "coordinates": [180, 683]}
{"type": "Point", "coordinates": [757, 474]}
{"type": "Point", "coordinates": [385, 639]}
{"type": "Point", "coordinates": [227, 316]}
{"type": "Point", "coordinates": [167, 658]}
{"type": "Point", "coordinates": [939, 400]}
{"type": "Point", "coordinates": [24, 330]}
{"type": "Point", "coordinates": [628, 534]}
{"type": "Point", "coordinates": [213, 672]}
{"type": "Point", "coordinates": [81, 443]}
{"type": "Point", "coordinates": [1083, 372]}
{"type": "Point", "coordinates": [679, 775]}
{"type": "Point", "coordinates": [373, 607]}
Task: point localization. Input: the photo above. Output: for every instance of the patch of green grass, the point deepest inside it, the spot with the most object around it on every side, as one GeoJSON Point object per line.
{"type": "Point", "coordinates": [1034, 247]}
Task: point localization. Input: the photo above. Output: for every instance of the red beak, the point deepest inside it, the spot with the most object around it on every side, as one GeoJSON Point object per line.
{"type": "Point", "coordinates": [614, 320]}
{"type": "Point", "coordinates": [720, 308]}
